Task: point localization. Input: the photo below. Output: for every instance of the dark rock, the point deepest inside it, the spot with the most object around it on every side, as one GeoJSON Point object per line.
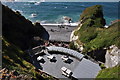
{"type": "Point", "coordinates": [98, 55]}
{"type": "Point", "coordinates": [20, 31]}
{"type": "Point", "coordinates": [15, 73]}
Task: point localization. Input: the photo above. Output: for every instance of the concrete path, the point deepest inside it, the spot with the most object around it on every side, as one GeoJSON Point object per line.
{"type": "Point", "coordinates": [65, 50]}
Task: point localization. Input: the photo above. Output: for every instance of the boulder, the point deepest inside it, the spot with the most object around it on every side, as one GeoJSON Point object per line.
{"type": "Point", "coordinates": [112, 57]}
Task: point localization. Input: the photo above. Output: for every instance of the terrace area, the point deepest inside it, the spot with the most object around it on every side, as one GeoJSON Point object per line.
{"type": "Point", "coordinates": [80, 67]}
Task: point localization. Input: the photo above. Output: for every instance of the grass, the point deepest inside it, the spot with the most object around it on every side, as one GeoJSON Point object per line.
{"type": "Point", "coordinates": [18, 35]}
{"type": "Point", "coordinates": [15, 59]}
{"type": "Point", "coordinates": [104, 38]}
{"type": "Point", "coordinates": [72, 46]}
{"type": "Point", "coordinates": [93, 17]}
{"type": "Point", "coordinates": [112, 73]}
{"type": "Point", "coordinates": [92, 35]}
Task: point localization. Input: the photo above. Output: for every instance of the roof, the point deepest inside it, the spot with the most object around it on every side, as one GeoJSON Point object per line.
{"type": "Point", "coordinates": [86, 69]}
{"type": "Point", "coordinates": [64, 68]}
{"type": "Point", "coordinates": [68, 71]}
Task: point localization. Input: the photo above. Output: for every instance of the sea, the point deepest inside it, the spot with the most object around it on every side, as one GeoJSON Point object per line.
{"type": "Point", "coordinates": [53, 12]}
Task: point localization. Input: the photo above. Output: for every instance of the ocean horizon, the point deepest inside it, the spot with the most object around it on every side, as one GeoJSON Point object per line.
{"type": "Point", "coordinates": [53, 12]}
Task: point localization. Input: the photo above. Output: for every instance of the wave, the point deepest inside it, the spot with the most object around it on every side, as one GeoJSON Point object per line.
{"type": "Point", "coordinates": [54, 11]}
{"type": "Point", "coordinates": [62, 19]}
{"type": "Point", "coordinates": [26, 4]}
{"type": "Point", "coordinates": [37, 3]}
{"type": "Point", "coordinates": [33, 15]}
{"type": "Point", "coordinates": [66, 7]}
{"type": "Point", "coordinates": [42, 22]}
{"type": "Point", "coordinates": [17, 10]}
{"type": "Point", "coordinates": [59, 24]}
{"type": "Point", "coordinates": [20, 11]}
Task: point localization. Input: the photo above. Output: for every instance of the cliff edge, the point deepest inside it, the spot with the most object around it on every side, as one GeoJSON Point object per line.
{"type": "Point", "coordinates": [19, 34]}
{"type": "Point", "coordinates": [20, 31]}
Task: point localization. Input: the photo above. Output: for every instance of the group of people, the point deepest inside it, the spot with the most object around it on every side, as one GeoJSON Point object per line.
{"type": "Point", "coordinates": [59, 44]}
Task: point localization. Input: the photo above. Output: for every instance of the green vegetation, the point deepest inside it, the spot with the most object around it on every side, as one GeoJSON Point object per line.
{"type": "Point", "coordinates": [13, 60]}
{"type": "Point", "coordinates": [94, 37]}
{"type": "Point", "coordinates": [112, 73]}
{"type": "Point", "coordinates": [18, 34]}
{"type": "Point", "coordinates": [92, 34]}
{"type": "Point", "coordinates": [72, 46]}
{"type": "Point", "coordinates": [93, 17]}
{"type": "Point", "coordinates": [97, 38]}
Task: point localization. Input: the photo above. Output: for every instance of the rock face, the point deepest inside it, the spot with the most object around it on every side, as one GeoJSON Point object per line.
{"type": "Point", "coordinates": [112, 57]}
{"type": "Point", "coordinates": [19, 33]}
{"type": "Point", "coordinates": [90, 19]}
{"type": "Point", "coordinates": [19, 30]}
{"type": "Point", "coordinates": [93, 36]}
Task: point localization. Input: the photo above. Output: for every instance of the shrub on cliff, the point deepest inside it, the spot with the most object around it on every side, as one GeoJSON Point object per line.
{"type": "Point", "coordinates": [92, 32]}
{"type": "Point", "coordinates": [18, 34]}
{"type": "Point", "coordinates": [12, 59]}
{"type": "Point", "coordinates": [93, 17]}
{"type": "Point", "coordinates": [109, 73]}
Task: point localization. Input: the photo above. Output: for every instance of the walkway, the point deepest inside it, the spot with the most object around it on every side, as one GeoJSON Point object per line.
{"type": "Point", "coordinates": [86, 69]}
{"type": "Point", "coordinates": [65, 50]}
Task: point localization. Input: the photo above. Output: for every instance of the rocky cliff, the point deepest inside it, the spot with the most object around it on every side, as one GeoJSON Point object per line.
{"type": "Point", "coordinates": [20, 31]}
{"type": "Point", "coordinates": [92, 17]}
{"type": "Point", "coordinates": [92, 36]}
{"type": "Point", "coordinates": [14, 59]}
{"type": "Point", "coordinates": [16, 65]}
{"type": "Point", "coordinates": [19, 34]}
{"type": "Point", "coordinates": [112, 64]}
{"type": "Point", "coordinates": [112, 57]}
